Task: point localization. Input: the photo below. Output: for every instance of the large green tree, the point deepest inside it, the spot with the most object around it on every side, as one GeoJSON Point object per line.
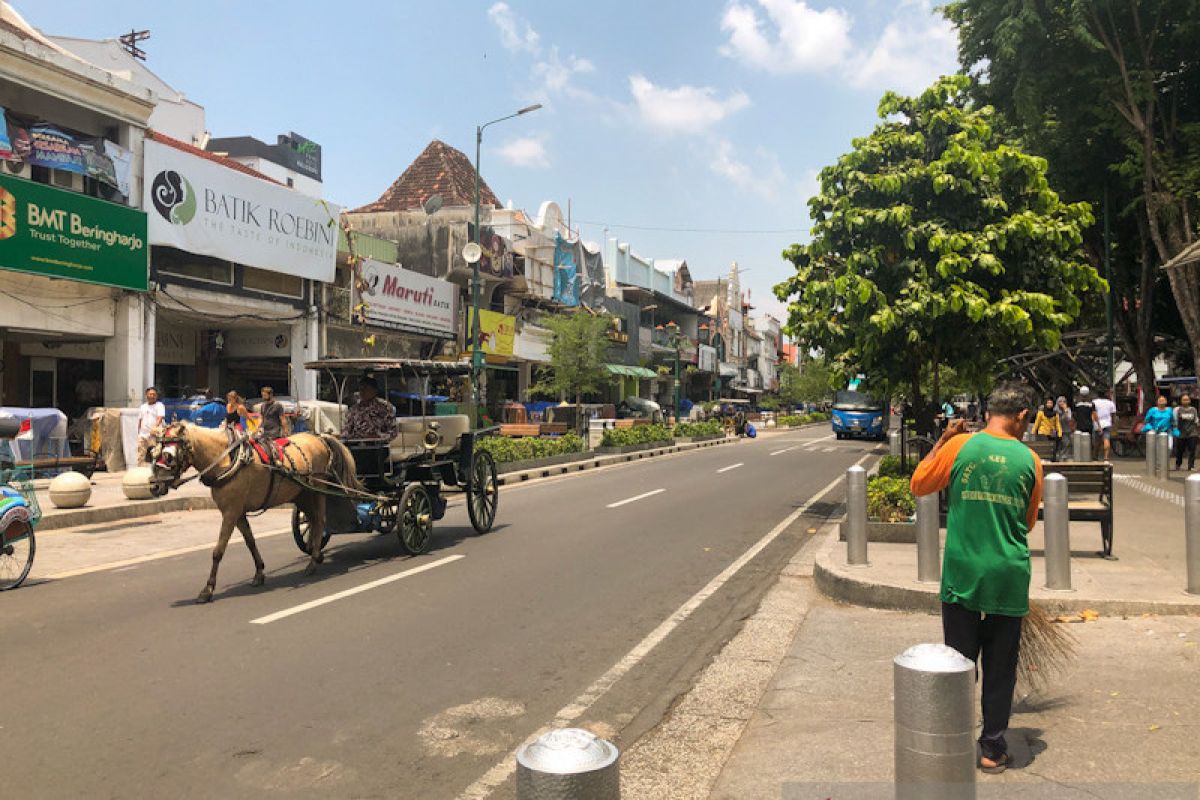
{"type": "Point", "coordinates": [1109, 92]}
{"type": "Point", "coordinates": [810, 383]}
{"type": "Point", "coordinates": [935, 241]}
{"type": "Point", "coordinates": [578, 352]}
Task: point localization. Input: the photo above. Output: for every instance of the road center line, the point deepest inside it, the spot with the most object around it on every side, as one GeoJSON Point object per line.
{"type": "Point", "coordinates": [498, 774]}
{"type": "Point", "coordinates": [731, 466]}
{"type": "Point", "coordinates": [784, 450]}
{"type": "Point", "coordinates": [634, 499]}
{"type": "Point", "coordinates": [311, 604]}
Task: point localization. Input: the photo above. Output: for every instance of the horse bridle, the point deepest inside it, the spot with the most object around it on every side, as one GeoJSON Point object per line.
{"type": "Point", "coordinates": [178, 450]}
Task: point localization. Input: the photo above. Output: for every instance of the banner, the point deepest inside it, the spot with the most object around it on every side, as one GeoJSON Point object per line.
{"type": "Point", "coordinates": [497, 259]}
{"type": "Point", "coordinates": [202, 207]}
{"type": "Point", "coordinates": [496, 331]}
{"type": "Point", "coordinates": [56, 150]}
{"type": "Point", "coordinates": [6, 149]}
{"type": "Point", "coordinates": [591, 276]}
{"type": "Point", "coordinates": [121, 160]}
{"type": "Point", "coordinates": [63, 234]}
{"type": "Point", "coordinates": [97, 163]}
{"type": "Point", "coordinates": [399, 298]}
{"type": "Point", "coordinates": [566, 274]}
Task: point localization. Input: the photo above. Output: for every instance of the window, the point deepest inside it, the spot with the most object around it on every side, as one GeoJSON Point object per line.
{"type": "Point", "coordinates": [170, 261]}
{"type": "Point", "coordinates": [261, 280]}
{"type": "Point", "coordinates": [291, 183]}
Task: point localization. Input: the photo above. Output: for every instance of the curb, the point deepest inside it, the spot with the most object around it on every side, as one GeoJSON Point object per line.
{"type": "Point", "coordinates": [847, 588]}
{"type": "Point", "coordinates": [548, 471]}
{"type": "Point", "coordinates": [75, 517]}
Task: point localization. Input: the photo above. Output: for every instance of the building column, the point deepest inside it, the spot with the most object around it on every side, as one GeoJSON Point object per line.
{"type": "Point", "coordinates": [149, 339]}
{"type": "Point", "coordinates": [305, 341]}
{"type": "Point", "coordinates": [124, 354]}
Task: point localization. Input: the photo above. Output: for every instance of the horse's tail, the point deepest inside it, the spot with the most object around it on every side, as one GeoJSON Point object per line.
{"type": "Point", "coordinates": [341, 464]}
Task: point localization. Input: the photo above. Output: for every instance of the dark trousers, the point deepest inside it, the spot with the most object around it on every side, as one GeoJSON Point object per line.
{"type": "Point", "coordinates": [992, 641]}
{"type": "Point", "coordinates": [1188, 446]}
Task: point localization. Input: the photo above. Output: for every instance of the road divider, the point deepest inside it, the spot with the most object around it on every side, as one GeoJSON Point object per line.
{"type": "Point", "coordinates": [333, 598]}
{"type": "Point", "coordinates": [731, 466]}
{"type": "Point", "coordinates": [634, 499]}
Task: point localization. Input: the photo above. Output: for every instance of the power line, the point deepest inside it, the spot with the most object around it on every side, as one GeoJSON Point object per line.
{"type": "Point", "coordinates": [694, 230]}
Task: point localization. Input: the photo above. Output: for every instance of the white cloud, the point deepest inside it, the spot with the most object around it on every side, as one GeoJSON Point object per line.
{"type": "Point", "coordinates": [516, 34]}
{"type": "Point", "coordinates": [526, 151]}
{"type": "Point", "coordinates": [766, 180]}
{"type": "Point", "coordinates": [554, 73]}
{"type": "Point", "coordinates": [915, 48]}
{"type": "Point", "coordinates": [683, 109]}
{"type": "Point", "coordinates": [793, 37]}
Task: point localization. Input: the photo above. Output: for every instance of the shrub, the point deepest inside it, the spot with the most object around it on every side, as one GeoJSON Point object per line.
{"type": "Point", "coordinates": [791, 420]}
{"type": "Point", "coordinates": [505, 449]}
{"type": "Point", "coordinates": [710, 427]}
{"type": "Point", "coordinates": [638, 434]}
{"type": "Point", "coordinates": [892, 467]}
{"type": "Point", "coordinates": [889, 499]}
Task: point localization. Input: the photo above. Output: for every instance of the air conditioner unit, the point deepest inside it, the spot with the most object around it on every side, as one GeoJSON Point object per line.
{"type": "Point", "coordinates": [66, 180]}
{"type": "Point", "coordinates": [19, 168]}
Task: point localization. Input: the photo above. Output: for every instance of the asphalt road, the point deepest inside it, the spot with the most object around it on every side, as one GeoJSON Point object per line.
{"type": "Point", "coordinates": [396, 681]}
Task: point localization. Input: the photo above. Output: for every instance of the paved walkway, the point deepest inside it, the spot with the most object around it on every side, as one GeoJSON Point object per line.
{"type": "Point", "coordinates": [109, 504]}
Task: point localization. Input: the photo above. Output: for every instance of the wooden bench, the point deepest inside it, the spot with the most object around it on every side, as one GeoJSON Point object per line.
{"type": "Point", "coordinates": [1045, 449]}
{"type": "Point", "coordinates": [521, 429]}
{"type": "Point", "coordinates": [554, 428]}
{"type": "Point", "coordinates": [1089, 495]}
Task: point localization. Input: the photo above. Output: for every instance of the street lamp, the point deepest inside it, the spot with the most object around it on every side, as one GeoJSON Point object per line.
{"type": "Point", "coordinates": [476, 353]}
{"type": "Point", "coordinates": [674, 339]}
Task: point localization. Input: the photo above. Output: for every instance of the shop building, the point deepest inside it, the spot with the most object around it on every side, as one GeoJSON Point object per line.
{"type": "Point", "coordinates": [293, 160]}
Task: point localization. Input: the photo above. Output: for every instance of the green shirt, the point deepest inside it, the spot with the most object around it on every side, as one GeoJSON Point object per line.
{"type": "Point", "coordinates": [994, 487]}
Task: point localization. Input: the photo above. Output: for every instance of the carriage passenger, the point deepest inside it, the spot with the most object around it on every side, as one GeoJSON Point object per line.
{"type": "Point", "coordinates": [371, 417]}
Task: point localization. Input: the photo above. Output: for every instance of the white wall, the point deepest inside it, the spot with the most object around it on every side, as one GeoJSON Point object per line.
{"type": "Point", "coordinates": [301, 183]}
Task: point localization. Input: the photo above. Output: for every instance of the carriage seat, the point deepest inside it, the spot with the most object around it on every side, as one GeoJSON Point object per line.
{"type": "Point", "coordinates": [410, 436]}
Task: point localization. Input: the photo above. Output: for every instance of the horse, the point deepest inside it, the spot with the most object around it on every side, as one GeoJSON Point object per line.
{"type": "Point", "coordinates": [241, 483]}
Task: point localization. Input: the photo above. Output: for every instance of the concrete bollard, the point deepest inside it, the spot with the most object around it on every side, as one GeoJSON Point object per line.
{"type": "Point", "coordinates": [1191, 507]}
{"type": "Point", "coordinates": [894, 443]}
{"type": "Point", "coordinates": [1162, 458]}
{"type": "Point", "coordinates": [1076, 446]}
{"type": "Point", "coordinates": [856, 516]}
{"type": "Point", "coordinates": [934, 710]}
{"type": "Point", "coordinates": [1058, 533]}
{"type": "Point", "coordinates": [568, 764]}
{"type": "Point", "coordinates": [929, 566]}
{"type": "Point", "coordinates": [1151, 454]}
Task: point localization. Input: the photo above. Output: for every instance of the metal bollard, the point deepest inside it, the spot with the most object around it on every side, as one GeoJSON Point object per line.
{"type": "Point", "coordinates": [929, 567]}
{"type": "Point", "coordinates": [568, 764]}
{"type": "Point", "coordinates": [934, 710]}
{"type": "Point", "coordinates": [1058, 533]}
{"type": "Point", "coordinates": [1076, 446]}
{"type": "Point", "coordinates": [1151, 454]}
{"type": "Point", "coordinates": [894, 443]}
{"type": "Point", "coordinates": [1191, 509]}
{"type": "Point", "coordinates": [1162, 458]}
{"type": "Point", "coordinates": [856, 516]}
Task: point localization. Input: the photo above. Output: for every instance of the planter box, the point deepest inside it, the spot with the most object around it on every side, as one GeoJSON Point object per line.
{"type": "Point", "coordinates": [890, 532]}
{"type": "Point", "coordinates": [633, 448]}
{"type": "Point", "coordinates": [534, 463]}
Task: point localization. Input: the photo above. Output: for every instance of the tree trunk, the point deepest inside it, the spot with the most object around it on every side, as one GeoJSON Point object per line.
{"type": "Point", "coordinates": [579, 428]}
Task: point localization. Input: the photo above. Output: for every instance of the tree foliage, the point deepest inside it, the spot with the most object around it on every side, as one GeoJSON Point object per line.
{"type": "Point", "coordinates": [935, 241]}
{"type": "Point", "coordinates": [812, 383]}
{"type": "Point", "coordinates": [578, 351]}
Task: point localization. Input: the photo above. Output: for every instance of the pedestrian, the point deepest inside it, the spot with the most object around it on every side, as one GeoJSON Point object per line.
{"type": "Point", "coordinates": [1186, 432]}
{"type": "Point", "coordinates": [235, 411]}
{"type": "Point", "coordinates": [270, 411]}
{"type": "Point", "coordinates": [1048, 426]}
{"type": "Point", "coordinates": [1106, 413]}
{"type": "Point", "coordinates": [149, 420]}
{"type": "Point", "coordinates": [995, 488]}
{"type": "Point", "coordinates": [1065, 419]}
{"type": "Point", "coordinates": [1159, 419]}
{"type": "Point", "coordinates": [1083, 415]}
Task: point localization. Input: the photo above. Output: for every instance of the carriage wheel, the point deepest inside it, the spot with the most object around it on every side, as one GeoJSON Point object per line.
{"type": "Point", "coordinates": [16, 555]}
{"type": "Point", "coordinates": [414, 525]}
{"type": "Point", "coordinates": [300, 528]}
{"type": "Point", "coordinates": [483, 491]}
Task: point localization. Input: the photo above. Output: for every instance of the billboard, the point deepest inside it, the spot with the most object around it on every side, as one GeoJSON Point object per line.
{"type": "Point", "coordinates": [399, 298]}
{"type": "Point", "coordinates": [496, 332]}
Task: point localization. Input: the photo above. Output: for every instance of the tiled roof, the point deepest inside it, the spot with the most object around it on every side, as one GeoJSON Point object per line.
{"type": "Point", "coordinates": [170, 141]}
{"type": "Point", "coordinates": [440, 169]}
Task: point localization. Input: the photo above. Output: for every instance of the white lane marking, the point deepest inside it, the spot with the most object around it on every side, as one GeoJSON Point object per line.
{"type": "Point", "coordinates": [311, 604]}
{"type": "Point", "coordinates": [635, 499]}
{"type": "Point", "coordinates": [129, 562]}
{"type": "Point", "coordinates": [784, 450]}
{"type": "Point", "coordinates": [830, 450]}
{"type": "Point", "coordinates": [571, 712]}
{"type": "Point", "coordinates": [731, 466]}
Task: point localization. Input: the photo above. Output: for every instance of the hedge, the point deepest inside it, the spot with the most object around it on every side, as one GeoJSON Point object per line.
{"type": "Point", "coordinates": [505, 449]}
{"type": "Point", "coordinates": [638, 434]}
{"type": "Point", "coordinates": [792, 420]}
{"type": "Point", "coordinates": [710, 427]}
{"type": "Point", "coordinates": [889, 499]}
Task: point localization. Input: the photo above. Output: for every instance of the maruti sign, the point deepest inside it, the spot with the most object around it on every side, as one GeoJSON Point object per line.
{"type": "Point", "coordinates": [399, 298]}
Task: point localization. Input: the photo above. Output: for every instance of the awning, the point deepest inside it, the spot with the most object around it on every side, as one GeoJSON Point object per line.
{"type": "Point", "coordinates": [631, 372]}
{"type": "Point", "coordinates": [746, 389]}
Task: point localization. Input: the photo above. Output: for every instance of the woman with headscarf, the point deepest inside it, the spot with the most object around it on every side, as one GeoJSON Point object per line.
{"type": "Point", "coordinates": [1065, 417]}
{"type": "Point", "coordinates": [1048, 426]}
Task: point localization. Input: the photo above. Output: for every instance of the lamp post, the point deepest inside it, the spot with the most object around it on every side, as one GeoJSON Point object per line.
{"type": "Point", "coordinates": [673, 335]}
{"type": "Point", "coordinates": [476, 353]}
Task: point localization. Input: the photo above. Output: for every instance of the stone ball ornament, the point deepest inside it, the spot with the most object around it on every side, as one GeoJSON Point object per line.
{"type": "Point", "coordinates": [70, 490]}
{"type": "Point", "coordinates": [136, 483]}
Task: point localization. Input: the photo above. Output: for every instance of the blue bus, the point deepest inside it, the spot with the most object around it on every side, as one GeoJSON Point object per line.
{"type": "Point", "coordinates": [856, 414]}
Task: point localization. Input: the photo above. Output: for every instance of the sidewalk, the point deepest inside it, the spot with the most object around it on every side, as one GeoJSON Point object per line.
{"type": "Point", "coordinates": [109, 504]}
{"type": "Point", "coordinates": [1148, 577]}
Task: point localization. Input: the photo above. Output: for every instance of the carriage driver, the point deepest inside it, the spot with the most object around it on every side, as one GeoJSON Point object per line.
{"type": "Point", "coordinates": [371, 417]}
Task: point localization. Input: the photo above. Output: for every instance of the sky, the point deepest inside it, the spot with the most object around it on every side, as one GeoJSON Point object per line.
{"type": "Point", "coordinates": [691, 129]}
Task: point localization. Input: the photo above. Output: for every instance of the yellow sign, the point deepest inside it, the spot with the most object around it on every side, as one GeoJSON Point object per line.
{"type": "Point", "coordinates": [496, 332]}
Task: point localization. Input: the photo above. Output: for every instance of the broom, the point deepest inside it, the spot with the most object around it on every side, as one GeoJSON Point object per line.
{"type": "Point", "coordinates": [1047, 650]}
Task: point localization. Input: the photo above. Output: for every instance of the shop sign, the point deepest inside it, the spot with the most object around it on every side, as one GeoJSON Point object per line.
{"type": "Point", "coordinates": [62, 234]}
{"type": "Point", "coordinates": [687, 350]}
{"type": "Point", "coordinates": [171, 346]}
{"type": "Point", "coordinates": [496, 332]}
{"type": "Point", "coordinates": [533, 344]}
{"type": "Point", "coordinates": [399, 298]}
{"type": "Point", "coordinates": [707, 358]}
{"type": "Point", "coordinates": [302, 155]}
{"type": "Point", "coordinates": [203, 207]}
{"type": "Point", "coordinates": [257, 343]}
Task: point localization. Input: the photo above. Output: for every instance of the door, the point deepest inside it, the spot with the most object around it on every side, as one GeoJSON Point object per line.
{"type": "Point", "coordinates": [43, 382]}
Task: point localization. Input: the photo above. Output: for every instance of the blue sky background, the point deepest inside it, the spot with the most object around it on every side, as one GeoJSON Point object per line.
{"type": "Point", "coordinates": [701, 114]}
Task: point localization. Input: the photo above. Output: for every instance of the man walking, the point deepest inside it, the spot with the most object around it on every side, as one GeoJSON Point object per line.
{"type": "Point", "coordinates": [1187, 431]}
{"type": "Point", "coordinates": [995, 485]}
{"type": "Point", "coordinates": [149, 420]}
{"type": "Point", "coordinates": [1106, 411]}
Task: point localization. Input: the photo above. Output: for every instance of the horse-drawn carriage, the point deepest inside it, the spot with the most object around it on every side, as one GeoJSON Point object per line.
{"type": "Point", "coordinates": [19, 512]}
{"type": "Point", "coordinates": [404, 477]}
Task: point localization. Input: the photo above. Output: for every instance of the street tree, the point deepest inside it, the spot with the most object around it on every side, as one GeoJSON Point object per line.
{"type": "Point", "coordinates": [578, 353]}
{"type": "Point", "coordinates": [811, 383]}
{"type": "Point", "coordinates": [1109, 92]}
{"type": "Point", "coordinates": [935, 241]}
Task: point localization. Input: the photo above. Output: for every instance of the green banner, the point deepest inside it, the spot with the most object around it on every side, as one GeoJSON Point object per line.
{"type": "Point", "coordinates": [62, 234]}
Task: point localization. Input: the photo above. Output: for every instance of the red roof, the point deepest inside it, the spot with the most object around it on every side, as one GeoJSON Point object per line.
{"type": "Point", "coordinates": [169, 141]}
{"type": "Point", "coordinates": [440, 169]}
